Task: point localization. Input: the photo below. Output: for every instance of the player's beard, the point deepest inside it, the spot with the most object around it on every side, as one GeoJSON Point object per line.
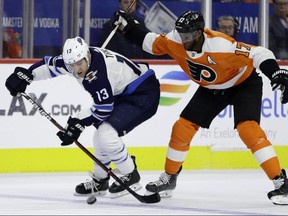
{"type": "Point", "coordinates": [195, 45]}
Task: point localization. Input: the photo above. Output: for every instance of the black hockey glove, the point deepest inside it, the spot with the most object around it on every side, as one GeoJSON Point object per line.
{"type": "Point", "coordinates": [125, 21]}
{"type": "Point", "coordinates": [73, 130]}
{"type": "Point", "coordinates": [18, 81]}
{"type": "Point", "coordinates": [280, 81]}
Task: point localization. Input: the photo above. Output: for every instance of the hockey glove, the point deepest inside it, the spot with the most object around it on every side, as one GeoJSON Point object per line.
{"type": "Point", "coordinates": [73, 130]}
{"type": "Point", "coordinates": [280, 81]}
{"type": "Point", "coordinates": [18, 81]}
{"type": "Point", "coordinates": [125, 21]}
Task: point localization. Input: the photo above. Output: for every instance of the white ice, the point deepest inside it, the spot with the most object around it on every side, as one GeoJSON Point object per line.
{"type": "Point", "coordinates": [198, 192]}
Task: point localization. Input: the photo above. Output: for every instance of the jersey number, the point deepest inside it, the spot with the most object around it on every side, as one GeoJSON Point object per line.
{"type": "Point", "coordinates": [102, 94]}
{"type": "Point", "coordinates": [241, 45]}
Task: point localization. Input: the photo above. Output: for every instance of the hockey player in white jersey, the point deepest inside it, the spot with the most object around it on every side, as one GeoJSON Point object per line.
{"type": "Point", "coordinates": [125, 94]}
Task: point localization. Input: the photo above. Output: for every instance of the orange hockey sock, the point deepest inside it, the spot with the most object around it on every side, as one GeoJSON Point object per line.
{"type": "Point", "coordinates": [255, 139]}
{"type": "Point", "coordinates": [182, 134]}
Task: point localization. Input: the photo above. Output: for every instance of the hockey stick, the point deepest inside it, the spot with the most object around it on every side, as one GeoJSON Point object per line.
{"type": "Point", "coordinates": [116, 27]}
{"type": "Point", "coordinates": [153, 198]}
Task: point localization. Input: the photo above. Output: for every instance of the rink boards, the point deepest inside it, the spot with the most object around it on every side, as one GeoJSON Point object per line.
{"type": "Point", "coordinates": [29, 142]}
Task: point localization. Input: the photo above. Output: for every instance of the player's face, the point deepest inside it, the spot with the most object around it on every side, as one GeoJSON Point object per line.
{"type": "Point", "coordinates": [79, 69]}
{"type": "Point", "coordinates": [190, 39]}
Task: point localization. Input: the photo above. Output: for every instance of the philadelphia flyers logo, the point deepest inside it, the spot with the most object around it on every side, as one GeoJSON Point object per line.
{"type": "Point", "coordinates": [201, 72]}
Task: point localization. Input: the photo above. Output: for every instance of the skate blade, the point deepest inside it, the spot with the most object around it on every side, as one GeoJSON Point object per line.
{"type": "Point", "coordinates": [98, 193]}
{"type": "Point", "coordinates": [163, 194]}
{"type": "Point", "coordinates": [279, 200]}
{"type": "Point", "coordinates": [134, 187]}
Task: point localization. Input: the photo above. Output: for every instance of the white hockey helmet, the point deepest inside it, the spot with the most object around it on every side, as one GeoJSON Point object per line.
{"type": "Point", "coordinates": [74, 50]}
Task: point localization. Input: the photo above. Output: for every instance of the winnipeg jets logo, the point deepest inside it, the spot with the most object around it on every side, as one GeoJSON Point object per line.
{"type": "Point", "coordinates": [210, 61]}
{"type": "Point", "coordinates": [90, 76]}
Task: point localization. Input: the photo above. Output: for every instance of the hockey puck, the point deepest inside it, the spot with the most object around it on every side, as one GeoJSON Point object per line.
{"type": "Point", "coordinates": [91, 200]}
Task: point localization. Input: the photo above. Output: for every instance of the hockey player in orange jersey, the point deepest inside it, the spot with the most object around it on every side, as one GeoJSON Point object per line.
{"type": "Point", "coordinates": [225, 70]}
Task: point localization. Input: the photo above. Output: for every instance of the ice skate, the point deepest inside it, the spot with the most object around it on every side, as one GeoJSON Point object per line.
{"type": "Point", "coordinates": [279, 196]}
{"type": "Point", "coordinates": [131, 179]}
{"type": "Point", "coordinates": [164, 186]}
{"type": "Point", "coordinates": [95, 186]}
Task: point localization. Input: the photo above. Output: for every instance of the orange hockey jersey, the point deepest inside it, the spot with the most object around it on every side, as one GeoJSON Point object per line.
{"type": "Point", "coordinates": [223, 62]}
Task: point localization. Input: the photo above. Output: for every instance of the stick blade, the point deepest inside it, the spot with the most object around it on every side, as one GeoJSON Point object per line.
{"type": "Point", "coordinates": [152, 198]}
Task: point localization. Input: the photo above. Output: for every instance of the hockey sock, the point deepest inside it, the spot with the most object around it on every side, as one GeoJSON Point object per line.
{"type": "Point", "coordinates": [182, 133]}
{"type": "Point", "coordinates": [255, 139]}
{"type": "Point", "coordinates": [109, 147]}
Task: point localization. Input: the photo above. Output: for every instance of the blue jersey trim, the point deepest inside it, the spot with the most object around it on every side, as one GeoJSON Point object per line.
{"type": "Point", "coordinates": [133, 85]}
